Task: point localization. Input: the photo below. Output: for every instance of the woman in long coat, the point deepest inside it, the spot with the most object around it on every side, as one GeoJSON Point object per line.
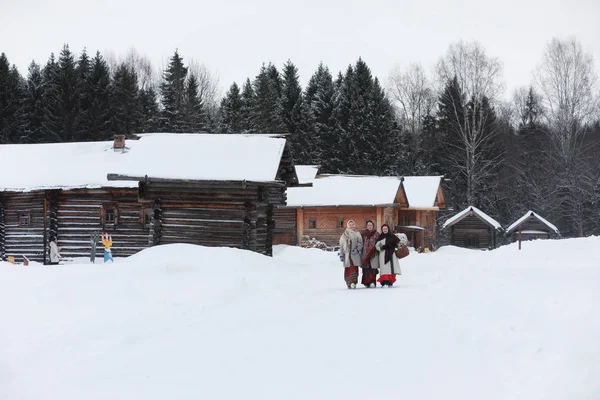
{"type": "Point", "coordinates": [389, 265]}
{"type": "Point", "coordinates": [370, 256]}
{"type": "Point", "coordinates": [350, 253]}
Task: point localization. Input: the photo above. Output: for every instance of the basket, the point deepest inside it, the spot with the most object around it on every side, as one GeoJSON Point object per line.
{"type": "Point", "coordinates": [402, 252]}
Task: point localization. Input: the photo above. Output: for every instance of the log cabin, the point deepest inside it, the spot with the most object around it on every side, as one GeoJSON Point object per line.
{"type": "Point", "coordinates": [156, 189]}
{"type": "Point", "coordinates": [407, 204]}
{"type": "Point", "coordinates": [531, 226]}
{"type": "Point", "coordinates": [472, 228]}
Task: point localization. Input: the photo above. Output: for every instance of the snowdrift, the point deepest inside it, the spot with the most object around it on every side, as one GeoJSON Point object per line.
{"type": "Point", "coordinates": [189, 322]}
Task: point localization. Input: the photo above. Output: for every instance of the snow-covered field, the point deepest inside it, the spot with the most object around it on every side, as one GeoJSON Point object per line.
{"type": "Point", "coordinates": [187, 322]}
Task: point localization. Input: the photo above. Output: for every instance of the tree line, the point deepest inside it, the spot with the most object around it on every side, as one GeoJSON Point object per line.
{"type": "Point", "coordinates": [538, 151]}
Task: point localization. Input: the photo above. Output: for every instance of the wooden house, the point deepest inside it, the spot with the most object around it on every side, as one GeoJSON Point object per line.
{"type": "Point", "coordinates": [531, 226]}
{"type": "Point", "coordinates": [162, 188]}
{"type": "Point", "coordinates": [321, 211]}
{"type": "Point", "coordinates": [473, 229]}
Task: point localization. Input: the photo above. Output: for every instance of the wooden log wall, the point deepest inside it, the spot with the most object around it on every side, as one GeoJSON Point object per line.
{"type": "Point", "coordinates": [80, 213]}
{"type": "Point", "coordinates": [230, 216]}
{"type": "Point", "coordinates": [285, 226]}
{"type": "Point", "coordinates": [463, 232]}
{"type": "Point", "coordinates": [20, 238]}
{"type": "Point", "coordinates": [2, 251]}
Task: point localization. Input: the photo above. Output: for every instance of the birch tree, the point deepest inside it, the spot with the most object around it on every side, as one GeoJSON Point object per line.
{"type": "Point", "coordinates": [568, 84]}
{"type": "Point", "coordinates": [469, 113]}
{"type": "Point", "coordinates": [414, 99]}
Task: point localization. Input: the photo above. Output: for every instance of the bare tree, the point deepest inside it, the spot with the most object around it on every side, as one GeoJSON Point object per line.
{"type": "Point", "coordinates": [147, 75]}
{"type": "Point", "coordinates": [208, 88]}
{"type": "Point", "coordinates": [569, 87]}
{"type": "Point", "coordinates": [479, 82]}
{"type": "Point", "coordinates": [414, 98]}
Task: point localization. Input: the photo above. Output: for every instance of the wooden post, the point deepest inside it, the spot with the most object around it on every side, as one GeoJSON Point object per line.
{"type": "Point", "coordinates": [379, 217]}
{"type": "Point", "coordinates": [519, 237]}
{"type": "Point", "coordinates": [299, 225]}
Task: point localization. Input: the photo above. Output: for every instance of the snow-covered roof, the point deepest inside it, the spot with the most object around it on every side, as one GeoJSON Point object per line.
{"type": "Point", "coordinates": [306, 173]}
{"type": "Point", "coordinates": [464, 213]}
{"type": "Point", "coordinates": [28, 167]}
{"type": "Point", "coordinates": [421, 191]}
{"type": "Point", "coordinates": [527, 215]}
{"type": "Point", "coordinates": [345, 190]}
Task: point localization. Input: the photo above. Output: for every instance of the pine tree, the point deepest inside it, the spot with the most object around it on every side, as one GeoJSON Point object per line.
{"type": "Point", "coordinates": [194, 113]}
{"type": "Point", "coordinates": [247, 110]}
{"type": "Point", "coordinates": [266, 115]}
{"type": "Point", "coordinates": [51, 124]}
{"type": "Point", "coordinates": [99, 110]}
{"type": "Point", "coordinates": [291, 105]}
{"type": "Point", "coordinates": [384, 133]}
{"type": "Point", "coordinates": [68, 96]}
{"type": "Point", "coordinates": [126, 106]}
{"type": "Point", "coordinates": [317, 143]}
{"type": "Point", "coordinates": [339, 162]}
{"type": "Point", "coordinates": [84, 68]}
{"type": "Point", "coordinates": [231, 110]}
{"type": "Point", "coordinates": [173, 91]}
{"type": "Point", "coordinates": [150, 112]}
{"type": "Point", "coordinates": [34, 105]}
{"type": "Point", "coordinates": [12, 97]}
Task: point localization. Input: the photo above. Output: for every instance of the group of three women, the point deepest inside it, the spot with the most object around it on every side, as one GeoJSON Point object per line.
{"type": "Point", "coordinates": [371, 250]}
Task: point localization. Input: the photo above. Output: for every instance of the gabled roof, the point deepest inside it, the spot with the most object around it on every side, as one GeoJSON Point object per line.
{"type": "Point", "coordinates": [423, 191]}
{"type": "Point", "coordinates": [346, 190]}
{"type": "Point", "coordinates": [530, 214]}
{"type": "Point", "coordinates": [471, 210]}
{"type": "Point", "coordinates": [234, 157]}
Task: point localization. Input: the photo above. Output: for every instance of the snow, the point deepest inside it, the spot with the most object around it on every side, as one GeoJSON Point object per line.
{"type": "Point", "coordinates": [528, 214]}
{"type": "Point", "coordinates": [189, 322]}
{"type": "Point", "coordinates": [306, 173]}
{"type": "Point", "coordinates": [491, 221]}
{"type": "Point", "coordinates": [421, 191]}
{"type": "Point", "coordinates": [159, 155]}
{"type": "Point", "coordinates": [345, 190]}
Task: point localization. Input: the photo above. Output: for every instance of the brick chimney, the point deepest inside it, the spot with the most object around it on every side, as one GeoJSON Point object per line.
{"type": "Point", "coordinates": [119, 143]}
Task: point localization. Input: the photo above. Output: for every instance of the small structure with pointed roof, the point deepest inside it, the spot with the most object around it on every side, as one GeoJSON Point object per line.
{"type": "Point", "coordinates": [531, 226]}
{"type": "Point", "coordinates": [472, 228]}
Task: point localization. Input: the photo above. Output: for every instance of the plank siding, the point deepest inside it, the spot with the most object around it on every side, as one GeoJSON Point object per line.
{"type": "Point", "coordinates": [285, 226]}
{"type": "Point", "coordinates": [326, 219]}
{"type": "Point", "coordinates": [24, 239]}
{"type": "Point", "coordinates": [472, 232]}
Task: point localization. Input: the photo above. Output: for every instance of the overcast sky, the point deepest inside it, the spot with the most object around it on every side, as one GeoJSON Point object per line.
{"type": "Point", "coordinates": [233, 38]}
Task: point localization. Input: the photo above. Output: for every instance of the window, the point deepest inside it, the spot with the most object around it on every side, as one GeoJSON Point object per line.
{"type": "Point", "coordinates": [340, 222]}
{"type": "Point", "coordinates": [109, 215]}
{"type": "Point", "coordinates": [24, 219]}
{"type": "Point", "coordinates": [312, 223]}
{"type": "Point", "coordinates": [406, 220]}
{"type": "Point", "coordinates": [147, 216]}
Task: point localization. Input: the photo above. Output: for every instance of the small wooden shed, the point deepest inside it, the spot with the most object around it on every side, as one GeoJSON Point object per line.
{"type": "Point", "coordinates": [472, 228]}
{"type": "Point", "coordinates": [531, 226]}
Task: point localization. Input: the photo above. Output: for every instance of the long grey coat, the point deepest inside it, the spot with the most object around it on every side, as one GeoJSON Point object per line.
{"type": "Point", "coordinates": [386, 268]}
{"type": "Point", "coordinates": [351, 241]}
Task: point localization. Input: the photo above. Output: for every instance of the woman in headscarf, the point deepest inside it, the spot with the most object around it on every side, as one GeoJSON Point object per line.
{"type": "Point", "coordinates": [389, 266]}
{"type": "Point", "coordinates": [350, 253]}
{"type": "Point", "coordinates": [370, 257]}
